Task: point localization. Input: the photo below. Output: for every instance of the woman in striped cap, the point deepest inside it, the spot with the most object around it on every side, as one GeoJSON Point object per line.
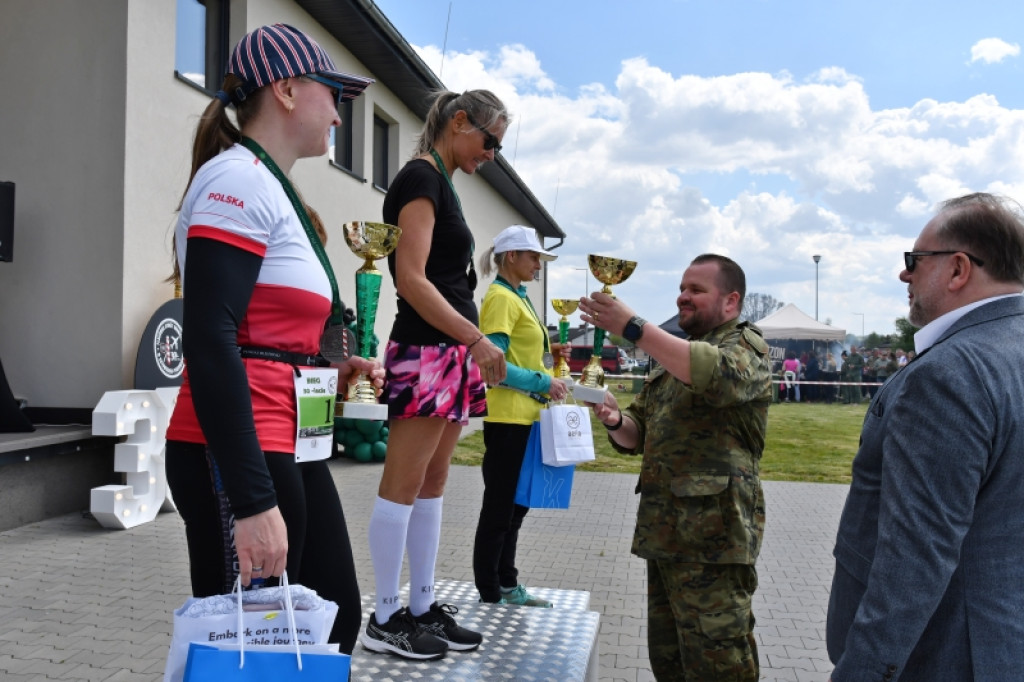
{"type": "Point", "coordinates": [257, 295]}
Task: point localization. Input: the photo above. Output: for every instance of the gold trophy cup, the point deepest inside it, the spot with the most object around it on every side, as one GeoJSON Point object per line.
{"type": "Point", "coordinates": [564, 306]}
{"type": "Point", "coordinates": [369, 241]}
{"type": "Point", "coordinates": [590, 388]}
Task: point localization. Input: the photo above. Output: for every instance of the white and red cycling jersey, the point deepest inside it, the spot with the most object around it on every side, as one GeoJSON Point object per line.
{"type": "Point", "coordinates": [236, 200]}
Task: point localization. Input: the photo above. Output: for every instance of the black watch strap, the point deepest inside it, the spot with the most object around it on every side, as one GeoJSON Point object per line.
{"type": "Point", "coordinates": [634, 329]}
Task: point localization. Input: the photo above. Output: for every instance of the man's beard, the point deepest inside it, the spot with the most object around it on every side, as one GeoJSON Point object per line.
{"type": "Point", "coordinates": [696, 326]}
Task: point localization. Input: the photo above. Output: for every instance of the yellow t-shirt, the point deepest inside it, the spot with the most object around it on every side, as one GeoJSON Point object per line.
{"type": "Point", "coordinates": [505, 312]}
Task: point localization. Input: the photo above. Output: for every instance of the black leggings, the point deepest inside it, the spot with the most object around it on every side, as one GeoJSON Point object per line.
{"type": "Point", "coordinates": [497, 532]}
{"type": "Point", "coordinates": [319, 552]}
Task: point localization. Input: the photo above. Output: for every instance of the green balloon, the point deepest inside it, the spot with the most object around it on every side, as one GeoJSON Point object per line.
{"type": "Point", "coordinates": [352, 439]}
{"type": "Point", "coordinates": [384, 431]}
{"type": "Point", "coordinates": [369, 428]}
{"type": "Point", "coordinates": [363, 452]}
{"type": "Point", "coordinates": [379, 450]}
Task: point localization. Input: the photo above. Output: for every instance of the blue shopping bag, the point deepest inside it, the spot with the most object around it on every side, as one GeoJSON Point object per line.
{"type": "Point", "coordinates": [541, 486]}
{"type": "Point", "coordinates": [225, 663]}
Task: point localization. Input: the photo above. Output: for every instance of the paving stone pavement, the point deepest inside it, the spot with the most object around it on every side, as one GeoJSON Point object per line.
{"type": "Point", "coordinates": [79, 602]}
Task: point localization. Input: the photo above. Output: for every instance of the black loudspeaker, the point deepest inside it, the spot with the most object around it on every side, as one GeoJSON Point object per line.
{"type": "Point", "coordinates": [6, 221]}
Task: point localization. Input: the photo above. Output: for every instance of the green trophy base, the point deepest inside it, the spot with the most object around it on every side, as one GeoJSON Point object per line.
{"type": "Point", "coordinates": [374, 411]}
{"type": "Point", "coordinates": [588, 394]}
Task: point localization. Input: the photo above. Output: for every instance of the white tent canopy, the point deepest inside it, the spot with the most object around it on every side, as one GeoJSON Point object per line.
{"type": "Point", "coordinates": [789, 322]}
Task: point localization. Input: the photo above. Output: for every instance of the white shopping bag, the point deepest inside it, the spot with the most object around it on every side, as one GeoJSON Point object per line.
{"type": "Point", "coordinates": [264, 620]}
{"type": "Point", "coordinates": [565, 435]}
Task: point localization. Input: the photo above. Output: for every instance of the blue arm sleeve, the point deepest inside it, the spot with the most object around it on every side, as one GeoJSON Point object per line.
{"type": "Point", "coordinates": [518, 377]}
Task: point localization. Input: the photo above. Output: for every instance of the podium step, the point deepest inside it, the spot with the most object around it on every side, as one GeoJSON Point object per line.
{"type": "Point", "coordinates": [520, 642]}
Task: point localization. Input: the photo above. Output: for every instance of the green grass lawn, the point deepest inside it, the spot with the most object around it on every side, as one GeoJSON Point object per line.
{"type": "Point", "coordinates": [806, 442]}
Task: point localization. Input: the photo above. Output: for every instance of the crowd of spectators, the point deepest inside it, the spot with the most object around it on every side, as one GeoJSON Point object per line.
{"type": "Point", "coordinates": [871, 368]}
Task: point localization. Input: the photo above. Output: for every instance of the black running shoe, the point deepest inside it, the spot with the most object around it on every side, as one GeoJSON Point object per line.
{"type": "Point", "coordinates": [402, 636]}
{"type": "Point", "coordinates": [438, 621]}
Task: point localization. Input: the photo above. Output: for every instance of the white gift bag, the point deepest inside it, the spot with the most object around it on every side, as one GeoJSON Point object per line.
{"type": "Point", "coordinates": [214, 620]}
{"type": "Point", "coordinates": [565, 435]}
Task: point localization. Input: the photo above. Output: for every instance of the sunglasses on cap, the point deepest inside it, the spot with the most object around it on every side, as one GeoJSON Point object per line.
{"type": "Point", "coordinates": [336, 88]}
{"type": "Point", "coordinates": [490, 139]}
{"type": "Point", "coordinates": [910, 257]}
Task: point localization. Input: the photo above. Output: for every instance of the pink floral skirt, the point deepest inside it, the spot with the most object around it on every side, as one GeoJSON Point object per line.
{"type": "Point", "coordinates": [432, 381]}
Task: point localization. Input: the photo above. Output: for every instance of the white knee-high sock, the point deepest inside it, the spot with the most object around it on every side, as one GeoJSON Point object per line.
{"type": "Point", "coordinates": [389, 523]}
{"type": "Point", "coordinates": [422, 543]}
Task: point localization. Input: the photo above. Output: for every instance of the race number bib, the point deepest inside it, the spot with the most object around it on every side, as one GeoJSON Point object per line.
{"type": "Point", "coordinates": [315, 394]}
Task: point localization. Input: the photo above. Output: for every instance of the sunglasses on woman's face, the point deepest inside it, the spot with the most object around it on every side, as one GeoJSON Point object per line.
{"type": "Point", "coordinates": [490, 139]}
{"type": "Point", "coordinates": [336, 90]}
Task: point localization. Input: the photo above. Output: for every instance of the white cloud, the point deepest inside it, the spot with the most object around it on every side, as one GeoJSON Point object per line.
{"type": "Point", "coordinates": [993, 50]}
{"type": "Point", "coordinates": [767, 168]}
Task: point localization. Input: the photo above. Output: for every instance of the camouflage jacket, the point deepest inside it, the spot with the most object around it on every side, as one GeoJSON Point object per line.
{"type": "Point", "coordinates": [853, 367]}
{"type": "Point", "coordinates": [700, 486]}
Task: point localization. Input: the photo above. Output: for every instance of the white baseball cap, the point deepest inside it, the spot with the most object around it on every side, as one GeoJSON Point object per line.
{"type": "Point", "coordinates": [521, 238]}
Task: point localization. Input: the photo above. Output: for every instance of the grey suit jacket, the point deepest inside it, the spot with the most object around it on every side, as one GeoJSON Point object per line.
{"type": "Point", "coordinates": [929, 581]}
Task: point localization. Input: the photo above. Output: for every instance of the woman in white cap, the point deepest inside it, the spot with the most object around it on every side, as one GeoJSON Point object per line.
{"type": "Point", "coordinates": [436, 362]}
{"type": "Point", "coordinates": [257, 295]}
{"type": "Point", "coordinates": [510, 321]}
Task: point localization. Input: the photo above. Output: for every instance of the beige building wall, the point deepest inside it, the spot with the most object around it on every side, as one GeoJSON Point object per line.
{"type": "Point", "coordinates": [97, 135]}
{"type": "Point", "coordinates": [62, 136]}
{"type": "Point", "coordinates": [162, 112]}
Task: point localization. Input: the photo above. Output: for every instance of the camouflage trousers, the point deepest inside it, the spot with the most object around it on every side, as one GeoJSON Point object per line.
{"type": "Point", "coordinates": [700, 623]}
{"type": "Point", "coordinates": [852, 394]}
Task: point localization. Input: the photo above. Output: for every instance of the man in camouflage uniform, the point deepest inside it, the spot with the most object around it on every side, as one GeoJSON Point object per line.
{"type": "Point", "coordinates": [853, 370]}
{"type": "Point", "coordinates": [700, 423]}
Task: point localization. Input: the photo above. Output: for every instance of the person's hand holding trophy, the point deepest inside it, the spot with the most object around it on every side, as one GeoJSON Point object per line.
{"type": "Point", "coordinates": [369, 241]}
{"type": "Point", "coordinates": [563, 306]}
{"type": "Point", "coordinates": [590, 388]}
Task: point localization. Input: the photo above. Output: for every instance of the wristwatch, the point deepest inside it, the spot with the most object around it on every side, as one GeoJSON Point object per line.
{"type": "Point", "coordinates": [634, 329]}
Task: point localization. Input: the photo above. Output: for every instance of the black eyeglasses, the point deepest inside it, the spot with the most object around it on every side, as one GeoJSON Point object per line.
{"type": "Point", "coordinates": [490, 139]}
{"type": "Point", "coordinates": [336, 89]}
{"type": "Point", "coordinates": [910, 257]}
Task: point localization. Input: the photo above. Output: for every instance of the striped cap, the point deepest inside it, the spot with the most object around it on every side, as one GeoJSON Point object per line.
{"type": "Point", "coordinates": [271, 53]}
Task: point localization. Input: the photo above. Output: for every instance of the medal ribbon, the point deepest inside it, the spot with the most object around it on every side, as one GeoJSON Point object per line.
{"type": "Point", "coordinates": [501, 281]}
{"type": "Point", "coordinates": [472, 250]}
{"type": "Point", "coordinates": [337, 312]}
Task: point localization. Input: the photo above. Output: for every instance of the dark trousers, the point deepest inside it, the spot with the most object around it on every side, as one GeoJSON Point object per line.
{"type": "Point", "coordinates": [319, 553]}
{"type": "Point", "coordinates": [497, 532]}
{"type": "Point", "coordinates": [811, 392]}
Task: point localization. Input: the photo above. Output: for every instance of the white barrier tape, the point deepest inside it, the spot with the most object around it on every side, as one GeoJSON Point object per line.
{"type": "Point", "coordinates": [827, 383]}
{"type": "Point", "coordinates": [774, 381]}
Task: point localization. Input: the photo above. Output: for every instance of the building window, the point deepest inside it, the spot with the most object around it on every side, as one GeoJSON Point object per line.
{"type": "Point", "coordinates": [343, 135]}
{"type": "Point", "coordinates": [201, 42]}
{"type": "Point", "coordinates": [381, 153]}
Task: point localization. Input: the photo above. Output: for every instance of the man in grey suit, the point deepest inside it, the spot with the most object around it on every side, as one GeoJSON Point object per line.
{"type": "Point", "coordinates": [929, 579]}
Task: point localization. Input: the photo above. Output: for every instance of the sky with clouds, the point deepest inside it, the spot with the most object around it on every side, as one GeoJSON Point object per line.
{"type": "Point", "coordinates": [769, 131]}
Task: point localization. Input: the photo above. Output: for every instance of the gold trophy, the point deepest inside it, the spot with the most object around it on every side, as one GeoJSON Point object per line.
{"type": "Point", "coordinates": [590, 388]}
{"type": "Point", "coordinates": [369, 241]}
{"type": "Point", "coordinates": [564, 306]}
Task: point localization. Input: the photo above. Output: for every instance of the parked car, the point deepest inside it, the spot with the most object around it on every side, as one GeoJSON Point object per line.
{"type": "Point", "coordinates": [579, 356]}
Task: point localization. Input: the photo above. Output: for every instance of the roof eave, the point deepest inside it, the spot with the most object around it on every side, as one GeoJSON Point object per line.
{"type": "Point", "coordinates": [363, 29]}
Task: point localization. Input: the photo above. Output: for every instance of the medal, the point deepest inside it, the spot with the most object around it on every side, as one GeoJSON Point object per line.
{"type": "Point", "coordinates": [336, 343]}
{"type": "Point", "coordinates": [549, 360]}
